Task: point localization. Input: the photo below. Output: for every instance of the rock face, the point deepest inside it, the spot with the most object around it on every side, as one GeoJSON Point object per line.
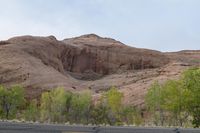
{"type": "Point", "coordinates": [88, 61]}
{"type": "Point", "coordinates": [34, 62]}
{"type": "Point", "coordinates": [103, 56]}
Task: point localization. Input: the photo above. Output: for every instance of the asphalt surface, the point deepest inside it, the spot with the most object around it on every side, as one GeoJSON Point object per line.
{"type": "Point", "coordinates": [7, 127]}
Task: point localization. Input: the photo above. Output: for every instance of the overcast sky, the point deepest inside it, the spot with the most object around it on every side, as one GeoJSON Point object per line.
{"type": "Point", "coordinates": [166, 25]}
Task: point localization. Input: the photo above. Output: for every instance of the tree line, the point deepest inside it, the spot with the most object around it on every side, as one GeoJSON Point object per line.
{"type": "Point", "coordinates": [60, 106]}
{"type": "Point", "coordinates": [176, 102]}
{"type": "Point", "coordinates": [172, 103]}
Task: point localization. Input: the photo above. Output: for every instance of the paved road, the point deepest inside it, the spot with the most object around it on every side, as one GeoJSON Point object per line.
{"type": "Point", "coordinates": [6, 127]}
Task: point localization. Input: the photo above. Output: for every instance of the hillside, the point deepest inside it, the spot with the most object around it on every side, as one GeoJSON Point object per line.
{"type": "Point", "coordinates": [88, 61]}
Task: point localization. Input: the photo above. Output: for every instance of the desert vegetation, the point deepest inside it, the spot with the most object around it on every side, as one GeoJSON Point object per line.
{"type": "Point", "coordinates": [60, 106]}
{"type": "Point", "coordinates": [172, 103]}
{"type": "Point", "coordinates": [176, 102]}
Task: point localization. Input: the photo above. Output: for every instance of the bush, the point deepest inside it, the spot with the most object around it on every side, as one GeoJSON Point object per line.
{"type": "Point", "coordinates": [12, 99]}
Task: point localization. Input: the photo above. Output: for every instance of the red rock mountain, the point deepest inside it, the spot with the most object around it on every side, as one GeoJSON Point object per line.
{"type": "Point", "coordinates": [88, 61]}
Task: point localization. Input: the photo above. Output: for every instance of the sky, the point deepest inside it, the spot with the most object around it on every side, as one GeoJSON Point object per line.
{"type": "Point", "coordinates": [164, 25]}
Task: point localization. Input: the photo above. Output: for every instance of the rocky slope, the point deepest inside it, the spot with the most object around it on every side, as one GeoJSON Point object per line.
{"type": "Point", "coordinates": [88, 61]}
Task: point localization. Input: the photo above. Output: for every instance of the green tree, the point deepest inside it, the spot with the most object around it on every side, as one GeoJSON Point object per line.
{"type": "Point", "coordinates": [58, 102]}
{"type": "Point", "coordinates": [53, 105]}
{"type": "Point", "coordinates": [80, 107]}
{"type": "Point", "coordinates": [32, 111]}
{"type": "Point", "coordinates": [154, 102]}
{"type": "Point", "coordinates": [191, 81]}
{"type": "Point", "coordinates": [112, 100]}
{"type": "Point", "coordinates": [174, 97]}
{"type": "Point", "coordinates": [45, 106]}
{"type": "Point", "coordinates": [131, 115]}
{"type": "Point", "coordinates": [99, 114]}
{"type": "Point", "coordinates": [10, 101]}
{"type": "Point", "coordinates": [68, 105]}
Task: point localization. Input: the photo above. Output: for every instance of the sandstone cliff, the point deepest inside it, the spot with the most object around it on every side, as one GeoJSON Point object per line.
{"type": "Point", "coordinates": [88, 61]}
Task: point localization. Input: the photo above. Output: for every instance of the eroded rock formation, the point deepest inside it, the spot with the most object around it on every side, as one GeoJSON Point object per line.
{"type": "Point", "coordinates": [88, 61]}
